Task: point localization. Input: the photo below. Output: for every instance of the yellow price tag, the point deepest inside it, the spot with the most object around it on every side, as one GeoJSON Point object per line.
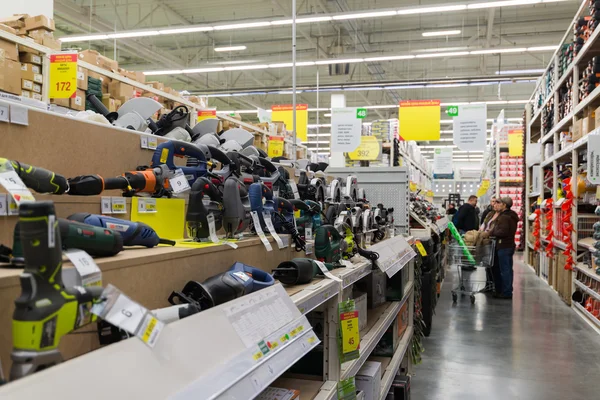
{"type": "Point", "coordinates": [119, 206]}
{"type": "Point", "coordinates": [283, 339]}
{"type": "Point", "coordinates": [257, 356]}
{"type": "Point", "coordinates": [149, 329]}
{"type": "Point", "coordinates": [300, 328]}
{"type": "Point", "coordinates": [206, 114]}
{"type": "Point", "coordinates": [412, 186]}
{"type": "Point", "coordinates": [311, 340]}
{"type": "Point", "coordinates": [63, 75]}
{"type": "Point", "coordinates": [350, 334]}
{"type": "Point", "coordinates": [421, 248]}
{"type": "Point", "coordinates": [368, 150]}
{"type": "Point", "coordinates": [293, 332]}
{"type": "Point", "coordinates": [274, 345]}
{"type": "Point", "coordinates": [275, 148]}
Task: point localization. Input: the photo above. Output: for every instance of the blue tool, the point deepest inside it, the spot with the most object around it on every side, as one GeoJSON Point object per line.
{"type": "Point", "coordinates": [133, 233]}
{"type": "Point", "coordinates": [166, 152]}
{"type": "Point", "coordinates": [239, 280]}
{"type": "Point", "coordinates": [261, 199]}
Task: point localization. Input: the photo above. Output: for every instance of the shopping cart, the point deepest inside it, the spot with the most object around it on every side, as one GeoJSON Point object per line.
{"type": "Point", "coordinates": [480, 257]}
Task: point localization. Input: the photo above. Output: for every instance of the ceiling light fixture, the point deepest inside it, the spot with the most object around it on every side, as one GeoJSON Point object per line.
{"type": "Point", "coordinates": [442, 33]}
{"type": "Point", "coordinates": [374, 14]}
{"type": "Point", "coordinates": [178, 31]}
{"type": "Point", "coordinates": [230, 48]}
{"type": "Point", "coordinates": [434, 9]}
{"type": "Point", "coordinates": [123, 35]}
{"type": "Point", "coordinates": [521, 72]}
{"type": "Point", "coordinates": [90, 38]}
{"type": "Point", "coordinates": [246, 25]}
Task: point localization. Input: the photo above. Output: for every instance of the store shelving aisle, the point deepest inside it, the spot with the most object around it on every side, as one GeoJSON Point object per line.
{"type": "Point", "coordinates": [534, 347]}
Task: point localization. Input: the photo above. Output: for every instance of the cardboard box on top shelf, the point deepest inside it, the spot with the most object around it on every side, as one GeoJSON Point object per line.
{"type": "Point", "coordinates": [117, 104]}
{"type": "Point", "coordinates": [61, 102]}
{"type": "Point", "coordinates": [52, 43]}
{"type": "Point", "coordinates": [8, 29]}
{"type": "Point", "coordinates": [26, 84]}
{"type": "Point", "coordinates": [78, 102]}
{"type": "Point", "coordinates": [28, 72]}
{"type": "Point", "coordinates": [156, 85]}
{"type": "Point", "coordinates": [103, 78]}
{"type": "Point", "coordinates": [127, 74]}
{"type": "Point", "coordinates": [82, 78]}
{"type": "Point", "coordinates": [89, 56]}
{"type": "Point", "coordinates": [587, 125]}
{"type": "Point", "coordinates": [38, 35]}
{"type": "Point", "coordinates": [16, 21]}
{"type": "Point", "coordinates": [30, 58]}
{"type": "Point", "coordinates": [109, 103]}
{"type": "Point", "coordinates": [39, 22]}
{"type": "Point", "coordinates": [26, 93]}
{"type": "Point", "coordinates": [8, 50]}
{"type": "Point", "coordinates": [36, 96]}
{"type": "Point", "coordinates": [119, 90]}
{"type": "Point", "coordinates": [37, 88]}
{"type": "Point", "coordinates": [108, 63]}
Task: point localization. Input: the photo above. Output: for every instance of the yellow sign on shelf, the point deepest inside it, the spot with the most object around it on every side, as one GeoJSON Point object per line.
{"type": "Point", "coordinates": [421, 249]}
{"type": "Point", "coordinates": [63, 76]}
{"type": "Point", "coordinates": [419, 120]}
{"type": "Point", "coordinates": [168, 222]}
{"type": "Point", "coordinates": [368, 150]}
{"type": "Point", "coordinates": [285, 113]}
{"type": "Point", "coordinates": [413, 186]}
{"type": "Point", "coordinates": [275, 148]}
{"type": "Point", "coordinates": [483, 188]}
{"type": "Point", "coordinates": [350, 334]}
{"type": "Point", "coordinates": [515, 142]}
{"type": "Point", "coordinates": [206, 114]}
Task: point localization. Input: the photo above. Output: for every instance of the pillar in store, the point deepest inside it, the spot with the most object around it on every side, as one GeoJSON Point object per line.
{"type": "Point", "coordinates": [337, 159]}
{"type": "Point", "coordinates": [31, 7]}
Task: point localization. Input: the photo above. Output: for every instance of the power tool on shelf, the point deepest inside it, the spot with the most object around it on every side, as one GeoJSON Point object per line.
{"type": "Point", "coordinates": [133, 233]}
{"type": "Point", "coordinates": [239, 280]}
{"type": "Point", "coordinates": [287, 224]}
{"type": "Point", "coordinates": [236, 215]}
{"type": "Point", "coordinates": [166, 152]}
{"type": "Point", "coordinates": [282, 186]}
{"type": "Point", "coordinates": [310, 215]}
{"type": "Point", "coordinates": [134, 114]}
{"type": "Point", "coordinates": [39, 179]}
{"type": "Point", "coordinates": [334, 191]}
{"type": "Point", "coordinates": [46, 310]}
{"type": "Point", "coordinates": [174, 124]}
{"type": "Point", "coordinates": [199, 208]}
{"type": "Point", "coordinates": [351, 188]}
{"type": "Point", "coordinates": [96, 241]}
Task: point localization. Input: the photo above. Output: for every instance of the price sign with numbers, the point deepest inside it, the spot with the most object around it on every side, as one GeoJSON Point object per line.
{"type": "Point", "coordinates": [63, 75]}
{"type": "Point", "coordinates": [118, 205]}
{"type": "Point", "coordinates": [348, 336]}
{"type": "Point", "coordinates": [152, 143]}
{"type": "Point", "coordinates": [146, 205]}
{"type": "Point", "coordinates": [4, 116]}
{"type": "Point", "coordinates": [86, 267]}
{"type": "Point", "coordinates": [368, 150]}
{"type": "Point", "coordinates": [12, 183]}
{"type": "Point", "coordinates": [275, 148]}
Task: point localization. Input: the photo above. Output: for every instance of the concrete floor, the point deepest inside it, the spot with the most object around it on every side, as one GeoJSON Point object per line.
{"type": "Point", "coordinates": [534, 347]}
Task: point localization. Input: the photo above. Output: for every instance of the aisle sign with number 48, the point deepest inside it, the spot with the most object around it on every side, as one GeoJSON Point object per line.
{"type": "Point", "coordinates": [63, 75]}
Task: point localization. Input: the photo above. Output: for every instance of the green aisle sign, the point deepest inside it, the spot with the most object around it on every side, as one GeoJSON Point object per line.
{"type": "Point", "coordinates": [361, 113]}
{"type": "Point", "coordinates": [452, 111]}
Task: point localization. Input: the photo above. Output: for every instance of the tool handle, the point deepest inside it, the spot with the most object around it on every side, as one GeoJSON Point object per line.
{"type": "Point", "coordinates": [40, 238]}
{"type": "Point", "coordinates": [219, 155]}
{"type": "Point", "coordinates": [39, 179]}
{"type": "Point", "coordinates": [283, 205]}
{"type": "Point", "coordinates": [269, 166]}
{"type": "Point", "coordinates": [299, 205]}
{"type": "Point", "coordinates": [101, 108]}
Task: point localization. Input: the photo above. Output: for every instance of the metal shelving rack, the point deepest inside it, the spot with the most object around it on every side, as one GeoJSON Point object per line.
{"type": "Point", "coordinates": [571, 152]}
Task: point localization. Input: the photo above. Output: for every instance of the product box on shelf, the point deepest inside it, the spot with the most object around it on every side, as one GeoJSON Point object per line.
{"type": "Point", "coordinates": [360, 302]}
{"type": "Point", "coordinates": [39, 22]}
{"type": "Point", "coordinates": [27, 84]}
{"type": "Point", "coordinates": [577, 129]}
{"type": "Point", "coordinates": [78, 102]}
{"type": "Point", "coordinates": [389, 341]}
{"type": "Point", "coordinates": [10, 76]}
{"type": "Point", "coordinates": [37, 88]}
{"type": "Point", "coordinates": [274, 393]}
{"type": "Point", "coordinates": [32, 72]}
{"type": "Point", "coordinates": [89, 56]}
{"type": "Point", "coordinates": [82, 78]}
{"type": "Point", "coordinates": [30, 58]}
{"type": "Point", "coordinates": [61, 102]}
{"type": "Point", "coordinates": [52, 43]}
{"type": "Point", "coordinates": [368, 379]}
{"type": "Point", "coordinates": [120, 90]}
{"type": "Point", "coordinates": [156, 85]}
{"type": "Point", "coordinates": [26, 93]}
{"type": "Point", "coordinates": [8, 50]}
{"type": "Point", "coordinates": [587, 125]}
{"type": "Point", "coordinates": [16, 21]}
{"type": "Point", "coordinates": [8, 29]}
{"type": "Point", "coordinates": [403, 321]}
{"type": "Point", "coordinates": [104, 80]}
{"type": "Point", "coordinates": [374, 285]}
{"type": "Point", "coordinates": [107, 63]}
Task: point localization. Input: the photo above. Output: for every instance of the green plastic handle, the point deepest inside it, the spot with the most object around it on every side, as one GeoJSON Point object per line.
{"type": "Point", "coordinates": [461, 242]}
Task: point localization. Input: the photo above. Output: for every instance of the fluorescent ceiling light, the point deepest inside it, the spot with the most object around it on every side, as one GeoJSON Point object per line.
{"type": "Point", "coordinates": [448, 54]}
{"type": "Point", "coordinates": [68, 39]}
{"type": "Point", "coordinates": [542, 48]}
{"type": "Point", "coordinates": [242, 26]}
{"type": "Point", "coordinates": [374, 14]}
{"type": "Point", "coordinates": [202, 70]}
{"type": "Point", "coordinates": [508, 3]}
{"type": "Point", "coordinates": [123, 35]}
{"type": "Point", "coordinates": [435, 9]}
{"type": "Point", "coordinates": [230, 48]}
{"type": "Point", "coordinates": [328, 115]}
{"type": "Point", "coordinates": [390, 58]}
{"type": "Point", "coordinates": [171, 72]}
{"type": "Point", "coordinates": [441, 33]}
{"type": "Point", "coordinates": [499, 51]}
{"type": "Point", "coordinates": [521, 71]}
{"type": "Point", "coordinates": [340, 61]}
{"type": "Point", "coordinates": [246, 67]}
{"type": "Point", "coordinates": [178, 31]}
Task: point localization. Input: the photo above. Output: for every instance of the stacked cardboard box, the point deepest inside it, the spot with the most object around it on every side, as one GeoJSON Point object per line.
{"type": "Point", "coordinates": [10, 68]}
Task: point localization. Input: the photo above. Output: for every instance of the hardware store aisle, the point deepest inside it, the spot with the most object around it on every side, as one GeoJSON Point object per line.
{"type": "Point", "coordinates": [533, 348]}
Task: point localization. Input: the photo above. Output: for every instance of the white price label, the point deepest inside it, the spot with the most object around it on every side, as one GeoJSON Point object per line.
{"type": "Point", "coordinates": [347, 263]}
{"type": "Point", "coordinates": [3, 205]}
{"type": "Point", "coordinates": [308, 248]}
{"type": "Point", "coordinates": [271, 228]}
{"type": "Point", "coordinates": [326, 272]}
{"type": "Point", "coordinates": [296, 172]}
{"type": "Point", "coordinates": [308, 231]}
{"type": "Point", "coordinates": [13, 207]}
{"type": "Point", "coordinates": [4, 113]}
{"type": "Point", "coordinates": [276, 193]}
{"type": "Point", "coordinates": [212, 229]}
{"type": "Point", "coordinates": [152, 143]}
{"type": "Point", "coordinates": [125, 314]}
{"type": "Point", "coordinates": [146, 205]}
{"type": "Point", "coordinates": [118, 205]}
{"type": "Point", "coordinates": [105, 205]}
{"type": "Point", "coordinates": [150, 329]}
{"type": "Point", "coordinates": [179, 182]}
{"type": "Point", "coordinates": [86, 267]}
{"type": "Point", "coordinates": [15, 186]}
{"type": "Point", "coordinates": [260, 232]}
{"type": "Point", "coordinates": [19, 114]}
{"type": "Point", "coordinates": [144, 142]}
{"type": "Point", "coordinates": [368, 239]}
{"type": "Point", "coordinates": [294, 187]}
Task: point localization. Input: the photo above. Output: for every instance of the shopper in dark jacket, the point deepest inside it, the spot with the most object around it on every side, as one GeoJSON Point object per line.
{"type": "Point", "coordinates": [504, 231]}
{"type": "Point", "coordinates": [466, 219]}
{"type": "Point", "coordinates": [451, 209]}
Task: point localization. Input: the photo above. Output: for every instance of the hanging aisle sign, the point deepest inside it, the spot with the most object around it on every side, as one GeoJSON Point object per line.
{"type": "Point", "coordinates": [206, 114]}
{"type": "Point", "coordinates": [285, 113]}
{"type": "Point", "coordinates": [346, 127]}
{"type": "Point", "coordinates": [419, 120]}
{"type": "Point", "coordinates": [483, 188]}
{"type": "Point", "coordinates": [442, 161]}
{"type": "Point", "coordinates": [515, 142]}
{"type": "Point", "coordinates": [63, 75]}
{"type": "Point", "coordinates": [470, 126]}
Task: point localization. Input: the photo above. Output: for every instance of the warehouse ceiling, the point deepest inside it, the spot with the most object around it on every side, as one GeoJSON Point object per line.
{"type": "Point", "coordinates": [396, 30]}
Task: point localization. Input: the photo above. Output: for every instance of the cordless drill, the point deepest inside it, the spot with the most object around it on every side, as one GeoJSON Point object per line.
{"type": "Point", "coordinates": [46, 310]}
{"type": "Point", "coordinates": [39, 179]}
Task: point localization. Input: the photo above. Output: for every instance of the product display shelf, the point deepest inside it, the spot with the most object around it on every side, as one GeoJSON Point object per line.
{"type": "Point", "coordinates": [389, 373]}
{"type": "Point", "coordinates": [586, 289]}
{"type": "Point", "coordinates": [559, 244]}
{"type": "Point", "coordinates": [311, 295]}
{"type": "Point", "coordinates": [587, 243]}
{"type": "Point", "coordinates": [415, 164]}
{"type": "Point", "coordinates": [426, 229]}
{"type": "Point", "coordinates": [379, 320]}
{"type": "Point", "coordinates": [569, 70]}
{"type": "Point", "coordinates": [587, 316]}
{"type": "Point", "coordinates": [588, 271]}
{"type": "Point", "coordinates": [310, 390]}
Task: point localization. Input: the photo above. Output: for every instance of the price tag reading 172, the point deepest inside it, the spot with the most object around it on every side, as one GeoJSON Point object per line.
{"type": "Point", "coordinates": [350, 334]}
{"type": "Point", "coordinates": [63, 75]}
